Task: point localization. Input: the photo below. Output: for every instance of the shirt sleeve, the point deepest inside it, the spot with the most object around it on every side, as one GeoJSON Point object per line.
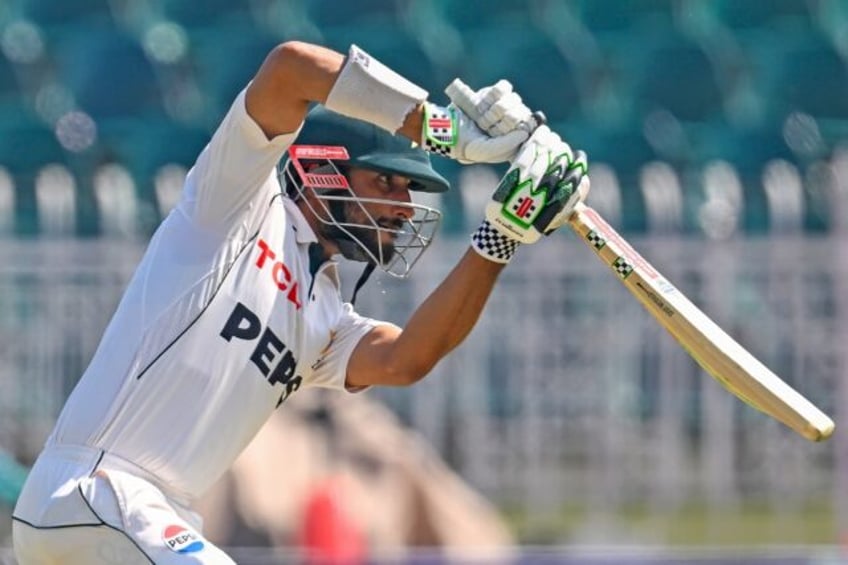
{"type": "Point", "coordinates": [330, 370]}
{"type": "Point", "coordinates": [235, 174]}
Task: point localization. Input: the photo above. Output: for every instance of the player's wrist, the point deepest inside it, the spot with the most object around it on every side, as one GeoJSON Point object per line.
{"type": "Point", "coordinates": [368, 90]}
{"type": "Point", "coordinates": [439, 129]}
{"type": "Point", "coordinates": [492, 244]}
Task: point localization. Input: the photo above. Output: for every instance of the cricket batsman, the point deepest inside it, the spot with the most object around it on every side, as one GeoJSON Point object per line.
{"type": "Point", "coordinates": [237, 304]}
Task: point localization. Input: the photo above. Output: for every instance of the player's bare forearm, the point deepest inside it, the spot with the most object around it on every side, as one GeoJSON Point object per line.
{"type": "Point", "coordinates": [292, 76]}
{"type": "Point", "coordinates": [388, 356]}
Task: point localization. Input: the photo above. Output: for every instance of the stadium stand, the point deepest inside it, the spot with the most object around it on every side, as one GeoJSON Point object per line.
{"type": "Point", "coordinates": [749, 152]}
{"type": "Point", "coordinates": [222, 61]}
{"type": "Point", "coordinates": [675, 74]}
{"type": "Point", "coordinates": [720, 119]}
{"type": "Point", "coordinates": [399, 50]}
{"type": "Point", "coordinates": [622, 16]}
{"type": "Point", "coordinates": [749, 16]}
{"type": "Point", "coordinates": [626, 151]}
{"type": "Point", "coordinates": [525, 55]}
{"type": "Point", "coordinates": [55, 196]}
{"type": "Point", "coordinates": [209, 13]}
{"type": "Point", "coordinates": [803, 73]}
{"type": "Point", "coordinates": [26, 145]}
{"type": "Point", "coordinates": [12, 475]}
{"type": "Point", "coordinates": [632, 81]}
{"type": "Point", "coordinates": [467, 16]}
{"type": "Point", "coordinates": [9, 92]}
{"type": "Point", "coordinates": [108, 72]}
{"type": "Point", "coordinates": [329, 14]}
{"type": "Point", "coordinates": [50, 15]}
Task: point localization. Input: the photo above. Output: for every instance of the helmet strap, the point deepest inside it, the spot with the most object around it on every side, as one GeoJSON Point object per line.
{"type": "Point", "coordinates": [363, 278]}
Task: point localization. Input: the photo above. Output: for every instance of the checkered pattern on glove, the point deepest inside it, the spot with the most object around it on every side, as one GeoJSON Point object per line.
{"type": "Point", "coordinates": [492, 244]}
{"type": "Point", "coordinates": [440, 125]}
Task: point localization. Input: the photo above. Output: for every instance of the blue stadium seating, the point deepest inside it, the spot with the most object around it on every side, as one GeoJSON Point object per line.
{"type": "Point", "coordinates": [224, 60]}
{"type": "Point", "coordinates": [144, 146]}
{"type": "Point", "coordinates": [108, 72]}
{"type": "Point", "coordinates": [50, 13]}
{"type": "Point", "coordinates": [622, 16]}
{"type": "Point", "coordinates": [26, 145]}
{"type": "Point", "coordinates": [532, 62]}
{"type": "Point", "coordinates": [678, 76]}
{"type": "Point", "coordinates": [803, 73]}
{"type": "Point", "coordinates": [330, 14]}
{"type": "Point", "coordinates": [12, 477]}
{"type": "Point", "coordinates": [469, 16]}
{"type": "Point", "coordinates": [626, 150]}
{"type": "Point", "coordinates": [652, 62]}
{"type": "Point", "coordinates": [397, 49]}
{"type": "Point", "coordinates": [749, 16]}
{"type": "Point", "coordinates": [9, 91]}
{"type": "Point", "coordinates": [207, 13]}
{"type": "Point", "coordinates": [749, 151]}
{"type": "Point", "coordinates": [658, 68]}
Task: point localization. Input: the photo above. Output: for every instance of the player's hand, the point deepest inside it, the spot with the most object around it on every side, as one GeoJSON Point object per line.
{"type": "Point", "coordinates": [497, 125]}
{"type": "Point", "coordinates": [496, 109]}
{"type": "Point", "coordinates": [536, 196]}
{"type": "Point", "coordinates": [541, 188]}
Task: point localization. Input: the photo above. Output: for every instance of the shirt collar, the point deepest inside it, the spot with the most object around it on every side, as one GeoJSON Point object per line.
{"type": "Point", "coordinates": [302, 230]}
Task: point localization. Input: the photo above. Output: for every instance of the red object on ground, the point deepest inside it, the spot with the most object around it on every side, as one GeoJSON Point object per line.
{"type": "Point", "coordinates": [328, 536]}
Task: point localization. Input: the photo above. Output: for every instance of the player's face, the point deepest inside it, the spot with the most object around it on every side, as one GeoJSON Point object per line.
{"type": "Point", "coordinates": [391, 215]}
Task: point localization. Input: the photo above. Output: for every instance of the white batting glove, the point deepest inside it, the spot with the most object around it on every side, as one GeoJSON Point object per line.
{"type": "Point", "coordinates": [497, 109]}
{"type": "Point", "coordinates": [452, 132]}
{"type": "Point", "coordinates": [536, 196]}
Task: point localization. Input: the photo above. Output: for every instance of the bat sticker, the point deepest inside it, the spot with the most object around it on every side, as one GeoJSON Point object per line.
{"type": "Point", "coordinates": [595, 240]}
{"type": "Point", "coordinates": [622, 268]}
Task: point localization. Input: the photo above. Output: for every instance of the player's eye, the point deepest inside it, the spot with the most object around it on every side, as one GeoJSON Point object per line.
{"type": "Point", "coordinates": [384, 181]}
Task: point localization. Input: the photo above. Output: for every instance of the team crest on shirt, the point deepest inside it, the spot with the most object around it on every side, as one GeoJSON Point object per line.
{"type": "Point", "coordinates": [181, 540]}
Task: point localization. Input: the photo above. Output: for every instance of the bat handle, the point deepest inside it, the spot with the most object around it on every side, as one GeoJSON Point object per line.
{"type": "Point", "coordinates": [538, 118]}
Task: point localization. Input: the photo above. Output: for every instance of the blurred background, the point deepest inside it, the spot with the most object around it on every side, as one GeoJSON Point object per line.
{"type": "Point", "coordinates": [569, 428]}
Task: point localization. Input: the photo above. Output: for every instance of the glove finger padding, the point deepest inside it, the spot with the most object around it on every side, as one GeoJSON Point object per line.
{"type": "Point", "coordinates": [540, 189]}
{"type": "Point", "coordinates": [570, 188]}
{"type": "Point", "coordinates": [486, 97]}
{"type": "Point", "coordinates": [505, 115]}
{"type": "Point", "coordinates": [494, 149]}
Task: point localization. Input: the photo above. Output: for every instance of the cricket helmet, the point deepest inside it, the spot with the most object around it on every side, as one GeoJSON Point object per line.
{"type": "Point", "coordinates": [329, 143]}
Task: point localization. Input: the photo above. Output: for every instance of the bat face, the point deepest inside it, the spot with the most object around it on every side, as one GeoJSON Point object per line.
{"type": "Point", "coordinates": [713, 349]}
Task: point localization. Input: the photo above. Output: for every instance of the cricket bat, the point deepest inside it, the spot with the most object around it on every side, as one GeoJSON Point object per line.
{"type": "Point", "coordinates": [714, 350]}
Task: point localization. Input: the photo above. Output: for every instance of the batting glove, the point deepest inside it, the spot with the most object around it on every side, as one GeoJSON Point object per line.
{"type": "Point", "coordinates": [536, 196]}
{"type": "Point", "coordinates": [492, 133]}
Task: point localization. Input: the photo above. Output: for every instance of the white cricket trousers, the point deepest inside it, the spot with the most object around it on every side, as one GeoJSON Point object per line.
{"type": "Point", "coordinates": [77, 509]}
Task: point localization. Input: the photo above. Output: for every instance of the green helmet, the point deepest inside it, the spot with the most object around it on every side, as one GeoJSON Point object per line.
{"type": "Point", "coordinates": [371, 147]}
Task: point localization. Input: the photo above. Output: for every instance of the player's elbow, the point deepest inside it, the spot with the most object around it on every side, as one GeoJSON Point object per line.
{"type": "Point", "coordinates": [408, 372]}
{"type": "Point", "coordinates": [285, 59]}
{"type": "Point", "coordinates": [289, 52]}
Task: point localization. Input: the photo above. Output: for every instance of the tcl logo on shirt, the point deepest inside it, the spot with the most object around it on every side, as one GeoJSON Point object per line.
{"type": "Point", "coordinates": [280, 274]}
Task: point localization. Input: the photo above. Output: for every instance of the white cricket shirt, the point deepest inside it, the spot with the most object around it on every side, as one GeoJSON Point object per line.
{"type": "Point", "coordinates": [220, 323]}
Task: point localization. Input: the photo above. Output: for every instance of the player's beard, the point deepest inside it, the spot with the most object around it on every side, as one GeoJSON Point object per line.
{"type": "Point", "coordinates": [367, 236]}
